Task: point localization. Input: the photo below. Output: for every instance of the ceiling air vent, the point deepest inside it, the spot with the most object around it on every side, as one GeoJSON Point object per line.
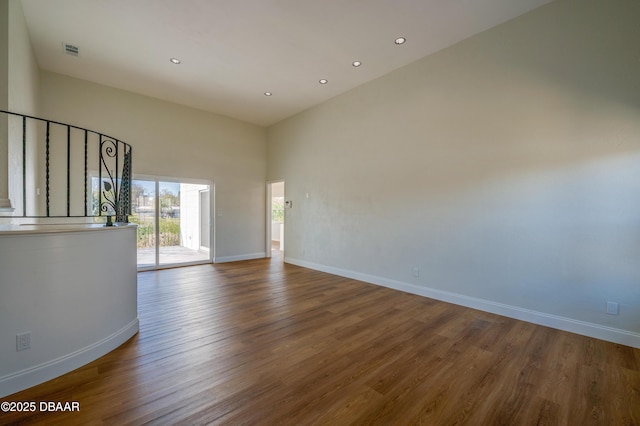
{"type": "Point", "coordinates": [71, 49]}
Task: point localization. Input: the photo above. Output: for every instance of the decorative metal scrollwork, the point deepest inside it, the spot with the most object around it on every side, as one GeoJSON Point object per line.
{"type": "Point", "coordinates": [115, 191]}
{"type": "Point", "coordinates": [124, 198]}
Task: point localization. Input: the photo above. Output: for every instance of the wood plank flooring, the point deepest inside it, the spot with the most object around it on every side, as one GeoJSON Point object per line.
{"type": "Point", "coordinates": [262, 343]}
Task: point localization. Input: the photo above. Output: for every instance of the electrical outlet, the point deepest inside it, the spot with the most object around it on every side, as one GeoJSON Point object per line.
{"type": "Point", "coordinates": [23, 341]}
{"type": "Point", "coordinates": [612, 308]}
{"type": "Point", "coordinates": [415, 272]}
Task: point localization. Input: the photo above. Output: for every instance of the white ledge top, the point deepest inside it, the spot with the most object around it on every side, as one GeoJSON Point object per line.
{"type": "Point", "coordinates": [59, 228]}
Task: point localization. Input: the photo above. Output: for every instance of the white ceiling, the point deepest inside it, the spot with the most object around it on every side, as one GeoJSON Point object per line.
{"type": "Point", "coordinates": [232, 51]}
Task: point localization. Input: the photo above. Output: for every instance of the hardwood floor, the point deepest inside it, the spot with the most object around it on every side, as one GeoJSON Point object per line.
{"type": "Point", "coordinates": [262, 343]}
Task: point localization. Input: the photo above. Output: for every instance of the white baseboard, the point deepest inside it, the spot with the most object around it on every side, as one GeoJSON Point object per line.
{"type": "Point", "coordinates": [41, 373]}
{"type": "Point", "coordinates": [584, 328]}
{"type": "Point", "coordinates": [248, 256]}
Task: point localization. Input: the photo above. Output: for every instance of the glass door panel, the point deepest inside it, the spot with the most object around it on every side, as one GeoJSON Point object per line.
{"type": "Point", "coordinates": [180, 224]}
{"type": "Point", "coordinates": [169, 220]}
{"type": "Point", "coordinates": [143, 209]}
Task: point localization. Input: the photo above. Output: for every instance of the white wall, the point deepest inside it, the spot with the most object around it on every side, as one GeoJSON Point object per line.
{"type": "Point", "coordinates": [276, 229]}
{"type": "Point", "coordinates": [505, 168]}
{"type": "Point", "coordinates": [23, 68]}
{"type": "Point", "coordinates": [74, 291]}
{"type": "Point", "coordinates": [190, 215]}
{"type": "Point", "coordinates": [4, 104]}
{"type": "Point", "coordinates": [23, 98]}
{"type": "Point", "coordinates": [19, 77]}
{"type": "Point", "coordinates": [175, 141]}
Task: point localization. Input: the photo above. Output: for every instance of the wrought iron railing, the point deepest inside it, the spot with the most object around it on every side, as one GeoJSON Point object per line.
{"type": "Point", "coordinates": [94, 167]}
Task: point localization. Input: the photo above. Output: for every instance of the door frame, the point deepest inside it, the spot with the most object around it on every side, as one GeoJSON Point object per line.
{"type": "Point", "coordinates": [269, 191]}
{"type": "Point", "coordinates": [209, 219]}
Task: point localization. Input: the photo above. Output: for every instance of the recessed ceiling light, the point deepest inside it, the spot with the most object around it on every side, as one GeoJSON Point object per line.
{"type": "Point", "coordinates": [175, 61]}
{"type": "Point", "coordinates": [356, 63]}
{"type": "Point", "coordinates": [268, 93]}
{"type": "Point", "coordinates": [400, 40]}
{"type": "Point", "coordinates": [323, 81]}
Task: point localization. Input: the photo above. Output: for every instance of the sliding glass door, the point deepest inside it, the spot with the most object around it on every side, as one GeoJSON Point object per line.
{"type": "Point", "coordinates": [143, 213]}
{"type": "Point", "coordinates": [173, 224]}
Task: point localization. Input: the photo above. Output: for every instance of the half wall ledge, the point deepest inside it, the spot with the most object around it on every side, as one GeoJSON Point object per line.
{"type": "Point", "coordinates": [73, 288]}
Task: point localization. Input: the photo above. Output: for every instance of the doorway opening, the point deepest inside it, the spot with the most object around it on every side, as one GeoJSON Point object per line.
{"type": "Point", "coordinates": [174, 222]}
{"type": "Point", "coordinates": [275, 220]}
